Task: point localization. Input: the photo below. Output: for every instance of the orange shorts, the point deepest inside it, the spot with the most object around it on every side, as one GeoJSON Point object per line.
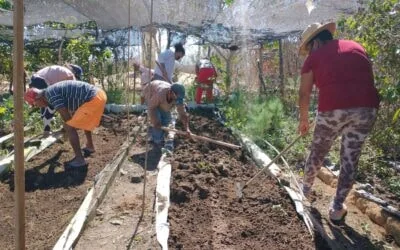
{"type": "Point", "coordinates": [88, 116]}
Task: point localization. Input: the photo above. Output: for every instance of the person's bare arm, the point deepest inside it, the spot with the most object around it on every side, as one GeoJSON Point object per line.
{"type": "Point", "coordinates": [155, 122]}
{"type": "Point", "coordinates": [65, 115]}
{"type": "Point", "coordinates": [184, 116]}
{"type": "Point", "coordinates": [306, 84]}
{"type": "Point", "coordinates": [164, 71]}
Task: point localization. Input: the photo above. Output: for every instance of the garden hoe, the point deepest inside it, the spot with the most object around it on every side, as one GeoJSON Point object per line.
{"type": "Point", "coordinates": [203, 138]}
{"type": "Point", "coordinates": [240, 188]}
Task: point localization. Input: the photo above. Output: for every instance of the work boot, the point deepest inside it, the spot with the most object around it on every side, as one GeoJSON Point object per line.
{"type": "Point", "coordinates": [337, 215]}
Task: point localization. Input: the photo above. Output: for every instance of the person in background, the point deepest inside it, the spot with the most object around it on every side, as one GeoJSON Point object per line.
{"type": "Point", "coordinates": [347, 105]}
{"type": "Point", "coordinates": [205, 78]}
{"type": "Point", "coordinates": [161, 97]}
{"type": "Point", "coordinates": [146, 75]}
{"type": "Point", "coordinates": [76, 69]}
{"type": "Point", "coordinates": [85, 101]}
{"type": "Point", "coordinates": [165, 64]}
{"type": "Point", "coordinates": [48, 76]}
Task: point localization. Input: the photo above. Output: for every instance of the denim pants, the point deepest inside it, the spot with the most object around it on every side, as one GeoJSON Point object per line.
{"type": "Point", "coordinates": [157, 135]}
{"type": "Point", "coordinates": [353, 125]}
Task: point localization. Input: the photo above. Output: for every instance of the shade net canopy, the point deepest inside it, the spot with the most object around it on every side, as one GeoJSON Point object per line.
{"type": "Point", "coordinates": [251, 21]}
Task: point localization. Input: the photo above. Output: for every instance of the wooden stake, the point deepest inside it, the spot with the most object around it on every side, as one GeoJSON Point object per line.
{"type": "Point", "coordinates": [18, 78]}
{"type": "Point", "coordinates": [203, 138]}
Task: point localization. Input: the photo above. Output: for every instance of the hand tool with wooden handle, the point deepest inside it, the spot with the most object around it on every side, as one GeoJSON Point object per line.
{"type": "Point", "coordinates": [203, 138]}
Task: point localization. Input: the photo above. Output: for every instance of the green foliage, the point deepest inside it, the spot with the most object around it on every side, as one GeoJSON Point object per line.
{"type": "Point", "coordinates": [394, 185]}
{"type": "Point", "coordinates": [100, 60]}
{"type": "Point", "coordinates": [31, 117]}
{"type": "Point", "coordinates": [6, 114]}
{"type": "Point", "coordinates": [228, 2]}
{"type": "Point", "coordinates": [264, 116]}
{"type": "Point", "coordinates": [235, 110]}
{"type": "Point", "coordinates": [221, 68]}
{"type": "Point", "coordinates": [38, 58]}
{"type": "Point", "coordinates": [190, 92]}
{"type": "Point", "coordinates": [115, 95]}
{"type": "Point", "coordinates": [78, 51]}
{"type": "Point", "coordinates": [265, 120]}
{"type": "Point", "coordinates": [6, 60]}
{"type": "Point", "coordinates": [5, 4]}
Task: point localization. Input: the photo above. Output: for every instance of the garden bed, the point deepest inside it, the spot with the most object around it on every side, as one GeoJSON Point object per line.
{"type": "Point", "coordinates": [205, 212]}
{"type": "Point", "coordinates": [52, 194]}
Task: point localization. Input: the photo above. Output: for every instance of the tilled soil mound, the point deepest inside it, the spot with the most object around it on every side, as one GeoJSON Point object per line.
{"type": "Point", "coordinates": [53, 195]}
{"type": "Point", "coordinates": [206, 212]}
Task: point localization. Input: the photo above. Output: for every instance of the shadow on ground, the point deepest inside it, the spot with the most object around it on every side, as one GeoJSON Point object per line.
{"type": "Point", "coordinates": [153, 157]}
{"type": "Point", "coordinates": [40, 178]}
{"type": "Point", "coordinates": [342, 235]}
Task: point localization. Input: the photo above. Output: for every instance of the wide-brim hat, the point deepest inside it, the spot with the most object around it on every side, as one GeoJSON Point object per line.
{"type": "Point", "coordinates": [311, 31]}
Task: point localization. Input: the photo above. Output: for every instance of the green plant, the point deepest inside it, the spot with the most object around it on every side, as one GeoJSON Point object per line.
{"type": "Point", "coordinates": [264, 116]}
{"type": "Point", "coordinates": [190, 92]}
{"type": "Point", "coordinates": [394, 185]}
{"type": "Point", "coordinates": [115, 95]}
{"type": "Point", "coordinates": [235, 109]}
{"type": "Point", "coordinates": [203, 166]}
{"type": "Point", "coordinates": [5, 4]}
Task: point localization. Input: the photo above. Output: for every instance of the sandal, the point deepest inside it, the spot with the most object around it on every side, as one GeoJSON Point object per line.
{"type": "Point", "coordinates": [87, 152]}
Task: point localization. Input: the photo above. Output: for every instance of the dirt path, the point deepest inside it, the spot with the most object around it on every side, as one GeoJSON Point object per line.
{"type": "Point", "coordinates": [53, 195]}
{"type": "Point", "coordinates": [118, 224]}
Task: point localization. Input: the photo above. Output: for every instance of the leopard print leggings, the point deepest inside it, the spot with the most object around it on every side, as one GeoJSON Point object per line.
{"type": "Point", "coordinates": [353, 125]}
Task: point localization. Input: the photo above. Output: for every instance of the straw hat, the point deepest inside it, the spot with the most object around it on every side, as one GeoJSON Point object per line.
{"type": "Point", "coordinates": [311, 31]}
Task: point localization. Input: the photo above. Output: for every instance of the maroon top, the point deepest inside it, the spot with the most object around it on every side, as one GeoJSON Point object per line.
{"type": "Point", "coordinates": [343, 75]}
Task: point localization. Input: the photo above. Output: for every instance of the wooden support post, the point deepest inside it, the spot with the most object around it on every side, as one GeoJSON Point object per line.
{"type": "Point", "coordinates": [18, 78]}
{"type": "Point", "coordinates": [260, 61]}
{"type": "Point", "coordinates": [282, 88]}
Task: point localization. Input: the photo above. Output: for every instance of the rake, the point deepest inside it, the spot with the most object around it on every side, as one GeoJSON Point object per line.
{"type": "Point", "coordinates": [240, 188]}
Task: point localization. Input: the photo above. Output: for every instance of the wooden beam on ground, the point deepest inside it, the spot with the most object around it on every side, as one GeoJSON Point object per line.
{"type": "Point", "coordinates": [18, 81]}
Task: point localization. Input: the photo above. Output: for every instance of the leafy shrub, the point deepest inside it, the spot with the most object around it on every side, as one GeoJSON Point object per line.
{"type": "Point", "coordinates": [115, 95]}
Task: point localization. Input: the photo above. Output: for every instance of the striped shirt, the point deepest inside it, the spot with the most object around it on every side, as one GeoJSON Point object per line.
{"type": "Point", "coordinates": [69, 94]}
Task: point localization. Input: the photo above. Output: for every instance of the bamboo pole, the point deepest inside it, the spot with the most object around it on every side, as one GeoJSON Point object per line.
{"type": "Point", "coordinates": [18, 75]}
{"type": "Point", "coordinates": [281, 76]}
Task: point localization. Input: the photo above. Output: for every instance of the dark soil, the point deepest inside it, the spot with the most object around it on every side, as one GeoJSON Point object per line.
{"type": "Point", "coordinates": [53, 195]}
{"type": "Point", "coordinates": [205, 211]}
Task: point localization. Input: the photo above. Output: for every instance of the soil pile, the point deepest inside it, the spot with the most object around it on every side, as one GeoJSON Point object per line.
{"type": "Point", "coordinates": [205, 212]}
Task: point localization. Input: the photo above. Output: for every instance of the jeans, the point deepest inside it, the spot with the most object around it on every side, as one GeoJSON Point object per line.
{"type": "Point", "coordinates": [157, 135]}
